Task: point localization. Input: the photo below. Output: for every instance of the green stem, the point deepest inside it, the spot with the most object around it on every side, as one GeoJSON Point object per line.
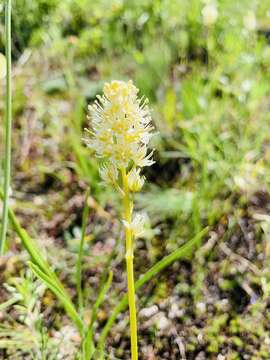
{"type": "Point", "coordinates": [130, 272]}
{"type": "Point", "coordinates": [80, 253]}
{"type": "Point", "coordinates": [8, 127]}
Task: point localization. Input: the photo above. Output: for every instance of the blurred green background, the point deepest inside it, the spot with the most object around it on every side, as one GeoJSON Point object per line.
{"type": "Point", "coordinates": [204, 65]}
{"type": "Point", "coordinates": [206, 76]}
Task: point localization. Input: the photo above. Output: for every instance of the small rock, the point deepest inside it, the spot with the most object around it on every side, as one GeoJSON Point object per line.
{"type": "Point", "coordinates": [175, 312]}
{"type": "Point", "coordinates": [162, 322]}
{"type": "Point", "coordinates": [148, 312]}
{"type": "Point", "coordinates": [220, 357]}
{"type": "Point", "coordinates": [201, 307]}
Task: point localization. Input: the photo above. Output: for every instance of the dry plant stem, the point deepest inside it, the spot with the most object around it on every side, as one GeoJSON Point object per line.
{"type": "Point", "coordinates": [8, 126]}
{"type": "Point", "coordinates": [128, 205]}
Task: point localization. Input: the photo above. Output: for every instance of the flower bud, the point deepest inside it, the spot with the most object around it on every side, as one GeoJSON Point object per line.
{"type": "Point", "coordinates": [135, 181]}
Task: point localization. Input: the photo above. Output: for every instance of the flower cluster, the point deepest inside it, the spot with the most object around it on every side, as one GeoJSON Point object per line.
{"type": "Point", "coordinates": [120, 131]}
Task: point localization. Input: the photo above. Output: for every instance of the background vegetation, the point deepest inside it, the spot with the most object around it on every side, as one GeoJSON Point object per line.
{"type": "Point", "coordinates": [209, 88]}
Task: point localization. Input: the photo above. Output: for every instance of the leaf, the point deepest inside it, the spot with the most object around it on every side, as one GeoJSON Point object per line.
{"type": "Point", "coordinates": [89, 343]}
{"type": "Point", "coordinates": [53, 286]}
{"type": "Point", "coordinates": [43, 268]}
{"type": "Point", "coordinates": [169, 107]}
{"type": "Point", "coordinates": [158, 267]}
{"type": "Point", "coordinates": [54, 85]}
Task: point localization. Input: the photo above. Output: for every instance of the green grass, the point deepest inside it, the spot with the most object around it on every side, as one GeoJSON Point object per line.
{"type": "Point", "coordinates": [209, 92]}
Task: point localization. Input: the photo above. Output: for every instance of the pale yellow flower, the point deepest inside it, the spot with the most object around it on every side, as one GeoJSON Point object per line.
{"type": "Point", "coordinates": [121, 127]}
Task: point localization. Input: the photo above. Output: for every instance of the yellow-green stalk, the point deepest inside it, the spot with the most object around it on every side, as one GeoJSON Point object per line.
{"type": "Point", "coordinates": [128, 205]}
{"type": "Point", "coordinates": [120, 132]}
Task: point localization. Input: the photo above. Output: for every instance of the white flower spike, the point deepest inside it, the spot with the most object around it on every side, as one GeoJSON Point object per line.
{"type": "Point", "coordinates": [121, 127]}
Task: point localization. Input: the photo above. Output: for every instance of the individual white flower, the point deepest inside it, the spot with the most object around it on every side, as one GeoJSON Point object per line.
{"type": "Point", "coordinates": [3, 65]}
{"type": "Point", "coordinates": [250, 21]}
{"type": "Point", "coordinates": [121, 126]}
{"type": "Point", "coordinates": [137, 225]}
{"type": "Point", "coordinates": [210, 14]}
{"type": "Point", "coordinates": [108, 173]}
{"type": "Point", "coordinates": [135, 181]}
{"type": "Point", "coordinates": [141, 159]}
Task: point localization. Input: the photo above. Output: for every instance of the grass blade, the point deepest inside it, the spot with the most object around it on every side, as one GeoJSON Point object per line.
{"type": "Point", "coordinates": [31, 247]}
{"type": "Point", "coordinates": [159, 266]}
{"type": "Point", "coordinates": [80, 253]}
{"type": "Point", "coordinates": [89, 343]}
{"type": "Point", "coordinates": [40, 263]}
{"type": "Point", "coordinates": [53, 286]}
{"type": "Point", "coordinates": [8, 127]}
